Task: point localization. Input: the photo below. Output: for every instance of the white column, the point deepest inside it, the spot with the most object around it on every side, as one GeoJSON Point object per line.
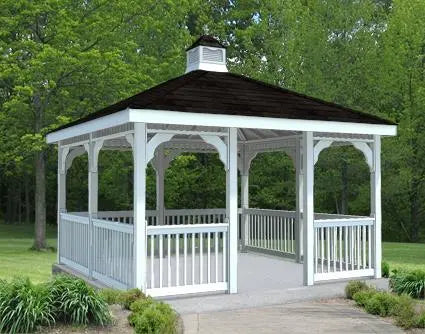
{"type": "Point", "coordinates": [139, 227]}
{"type": "Point", "coordinates": [308, 207]}
{"type": "Point", "coordinates": [232, 207]}
{"type": "Point", "coordinates": [299, 202]}
{"type": "Point", "coordinates": [92, 197]}
{"type": "Point", "coordinates": [61, 193]}
{"type": "Point", "coordinates": [160, 176]}
{"type": "Point", "coordinates": [244, 206]}
{"type": "Point", "coordinates": [376, 204]}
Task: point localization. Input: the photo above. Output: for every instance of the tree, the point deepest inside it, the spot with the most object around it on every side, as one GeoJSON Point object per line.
{"type": "Point", "coordinates": [64, 59]}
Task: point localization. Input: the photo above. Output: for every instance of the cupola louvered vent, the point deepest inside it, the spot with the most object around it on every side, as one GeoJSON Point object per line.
{"type": "Point", "coordinates": [207, 54]}
{"type": "Point", "coordinates": [213, 55]}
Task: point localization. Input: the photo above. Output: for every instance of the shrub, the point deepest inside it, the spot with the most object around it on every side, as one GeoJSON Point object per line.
{"type": "Point", "coordinates": [24, 306]}
{"type": "Point", "coordinates": [111, 296]}
{"type": "Point", "coordinates": [77, 303]}
{"type": "Point", "coordinates": [409, 282]}
{"type": "Point", "coordinates": [157, 318]}
{"type": "Point", "coordinates": [420, 320]}
{"type": "Point", "coordinates": [363, 296]}
{"type": "Point", "coordinates": [404, 312]}
{"type": "Point", "coordinates": [354, 286]}
{"type": "Point", "coordinates": [385, 269]}
{"type": "Point", "coordinates": [130, 296]}
{"type": "Point", "coordinates": [381, 303]}
{"type": "Point", "coordinates": [137, 307]}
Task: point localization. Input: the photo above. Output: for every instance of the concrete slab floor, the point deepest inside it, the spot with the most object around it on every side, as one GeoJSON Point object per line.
{"type": "Point", "coordinates": [305, 317]}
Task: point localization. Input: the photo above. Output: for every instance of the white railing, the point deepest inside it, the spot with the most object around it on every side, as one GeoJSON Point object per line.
{"type": "Point", "coordinates": [343, 248]}
{"type": "Point", "coordinates": [194, 216]}
{"type": "Point", "coordinates": [74, 242]}
{"type": "Point", "coordinates": [113, 253]}
{"type": "Point", "coordinates": [271, 230]}
{"type": "Point", "coordinates": [185, 259]}
{"type": "Point", "coordinates": [171, 217]}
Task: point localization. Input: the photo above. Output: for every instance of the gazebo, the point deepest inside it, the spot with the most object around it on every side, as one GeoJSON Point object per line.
{"type": "Point", "coordinates": [170, 252]}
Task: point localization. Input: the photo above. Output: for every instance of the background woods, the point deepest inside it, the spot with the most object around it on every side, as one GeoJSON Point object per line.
{"type": "Point", "coordinates": [60, 60]}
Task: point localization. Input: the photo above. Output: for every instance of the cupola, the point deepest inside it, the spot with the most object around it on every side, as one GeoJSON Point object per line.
{"type": "Point", "coordinates": [208, 54]}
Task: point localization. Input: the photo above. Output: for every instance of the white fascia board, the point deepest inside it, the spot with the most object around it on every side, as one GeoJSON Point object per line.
{"type": "Point", "coordinates": [100, 123]}
{"type": "Point", "coordinates": [255, 122]}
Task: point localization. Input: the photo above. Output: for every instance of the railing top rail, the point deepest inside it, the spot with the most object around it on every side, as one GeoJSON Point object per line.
{"type": "Point", "coordinates": [359, 221]}
{"type": "Point", "coordinates": [270, 212]}
{"type": "Point", "coordinates": [180, 229]}
{"type": "Point", "coordinates": [75, 218]}
{"type": "Point", "coordinates": [115, 226]}
{"type": "Point", "coordinates": [194, 211]}
{"type": "Point", "coordinates": [320, 215]}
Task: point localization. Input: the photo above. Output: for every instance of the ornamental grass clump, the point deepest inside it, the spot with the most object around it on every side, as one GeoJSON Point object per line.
{"type": "Point", "coordinates": [353, 287]}
{"type": "Point", "coordinates": [382, 303]}
{"type": "Point", "coordinates": [24, 306]}
{"type": "Point", "coordinates": [77, 303]}
{"type": "Point", "coordinates": [128, 297]}
{"type": "Point", "coordinates": [111, 296]}
{"type": "Point", "coordinates": [411, 283]}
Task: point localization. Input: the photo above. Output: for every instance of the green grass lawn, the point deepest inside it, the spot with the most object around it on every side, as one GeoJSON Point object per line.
{"type": "Point", "coordinates": [16, 258]}
{"type": "Point", "coordinates": [406, 255]}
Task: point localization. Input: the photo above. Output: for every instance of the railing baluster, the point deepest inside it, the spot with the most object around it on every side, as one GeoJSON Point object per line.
{"type": "Point", "coordinates": [152, 261]}
{"type": "Point", "coordinates": [193, 258]}
{"type": "Point", "coordinates": [201, 258]}
{"type": "Point", "coordinates": [177, 259]}
{"type": "Point", "coordinates": [185, 258]}
{"type": "Point", "coordinates": [208, 258]}
{"type": "Point", "coordinates": [216, 255]}
{"type": "Point", "coordinates": [161, 253]}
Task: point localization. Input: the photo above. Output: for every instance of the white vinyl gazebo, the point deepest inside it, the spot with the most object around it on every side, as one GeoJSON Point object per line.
{"type": "Point", "coordinates": [170, 252]}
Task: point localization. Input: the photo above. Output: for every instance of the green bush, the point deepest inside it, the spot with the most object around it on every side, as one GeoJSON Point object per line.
{"type": "Point", "coordinates": [404, 312]}
{"type": "Point", "coordinates": [385, 269]}
{"type": "Point", "coordinates": [130, 296]}
{"type": "Point", "coordinates": [408, 282]}
{"type": "Point", "coordinates": [111, 296]}
{"type": "Point", "coordinates": [381, 303]}
{"type": "Point", "coordinates": [24, 306]}
{"type": "Point", "coordinates": [156, 318]}
{"type": "Point", "coordinates": [354, 286]}
{"type": "Point", "coordinates": [363, 296]}
{"type": "Point", "coordinates": [77, 303]}
{"type": "Point", "coordinates": [139, 306]}
{"type": "Point", "coordinates": [420, 320]}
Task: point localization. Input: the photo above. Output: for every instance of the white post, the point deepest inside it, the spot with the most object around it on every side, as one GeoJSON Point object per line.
{"type": "Point", "coordinates": [244, 170]}
{"type": "Point", "coordinates": [92, 197]}
{"type": "Point", "coordinates": [299, 202]}
{"type": "Point", "coordinates": [232, 207]}
{"type": "Point", "coordinates": [61, 194]}
{"type": "Point", "coordinates": [160, 176]}
{"type": "Point", "coordinates": [308, 205]}
{"type": "Point", "coordinates": [376, 204]}
{"type": "Point", "coordinates": [139, 232]}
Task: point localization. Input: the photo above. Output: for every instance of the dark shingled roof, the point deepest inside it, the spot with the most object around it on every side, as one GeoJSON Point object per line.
{"type": "Point", "coordinates": [206, 40]}
{"type": "Point", "coordinates": [232, 94]}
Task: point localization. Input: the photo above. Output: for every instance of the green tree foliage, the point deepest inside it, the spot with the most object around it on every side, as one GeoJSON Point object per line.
{"type": "Point", "coordinates": [61, 60]}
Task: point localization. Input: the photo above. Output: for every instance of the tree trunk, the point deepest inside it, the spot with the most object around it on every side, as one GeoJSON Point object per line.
{"type": "Point", "coordinates": [414, 210]}
{"type": "Point", "coordinates": [40, 201]}
{"type": "Point", "coordinates": [27, 199]}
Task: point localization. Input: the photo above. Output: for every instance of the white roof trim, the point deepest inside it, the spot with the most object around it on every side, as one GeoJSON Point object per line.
{"type": "Point", "coordinates": [96, 124]}
{"type": "Point", "coordinates": [256, 122]}
{"type": "Point", "coordinates": [218, 120]}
